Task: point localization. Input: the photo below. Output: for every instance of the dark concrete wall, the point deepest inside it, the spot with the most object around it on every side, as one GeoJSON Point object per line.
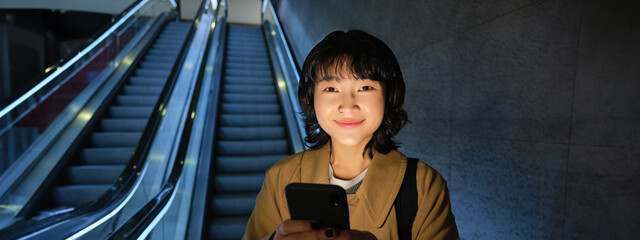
{"type": "Point", "coordinates": [530, 109]}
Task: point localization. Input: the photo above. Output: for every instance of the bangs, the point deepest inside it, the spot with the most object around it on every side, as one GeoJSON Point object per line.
{"type": "Point", "coordinates": [343, 67]}
{"type": "Point", "coordinates": [345, 58]}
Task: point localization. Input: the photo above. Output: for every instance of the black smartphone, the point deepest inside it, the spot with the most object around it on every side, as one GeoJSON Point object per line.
{"type": "Point", "coordinates": [324, 203]}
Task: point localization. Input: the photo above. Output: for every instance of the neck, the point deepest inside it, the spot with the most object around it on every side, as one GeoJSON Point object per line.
{"type": "Point", "coordinates": [348, 161]}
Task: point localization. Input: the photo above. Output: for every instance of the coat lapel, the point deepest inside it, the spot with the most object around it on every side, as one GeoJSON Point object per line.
{"type": "Point", "coordinates": [381, 185]}
{"type": "Point", "coordinates": [314, 167]}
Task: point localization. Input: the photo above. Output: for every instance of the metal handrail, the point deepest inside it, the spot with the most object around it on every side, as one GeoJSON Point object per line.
{"type": "Point", "coordinates": [143, 222]}
{"type": "Point", "coordinates": [291, 84]}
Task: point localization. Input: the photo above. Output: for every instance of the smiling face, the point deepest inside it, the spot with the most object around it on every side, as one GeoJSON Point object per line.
{"type": "Point", "coordinates": [349, 110]}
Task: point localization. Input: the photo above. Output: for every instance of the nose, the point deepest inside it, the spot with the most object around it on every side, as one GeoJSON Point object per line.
{"type": "Point", "coordinates": [349, 103]}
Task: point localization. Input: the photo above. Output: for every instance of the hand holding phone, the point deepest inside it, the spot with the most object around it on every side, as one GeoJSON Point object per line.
{"type": "Point", "coordinates": [324, 203]}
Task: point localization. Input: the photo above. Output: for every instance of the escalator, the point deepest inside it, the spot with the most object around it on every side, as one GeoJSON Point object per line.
{"type": "Point", "coordinates": [251, 133]}
{"type": "Point", "coordinates": [107, 149]}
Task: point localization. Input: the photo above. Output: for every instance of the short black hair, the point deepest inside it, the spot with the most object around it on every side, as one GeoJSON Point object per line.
{"type": "Point", "coordinates": [365, 57]}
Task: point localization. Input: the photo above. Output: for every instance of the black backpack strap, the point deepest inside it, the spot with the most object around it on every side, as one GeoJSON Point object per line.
{"type": "Point", "coordinates": [407, 200]}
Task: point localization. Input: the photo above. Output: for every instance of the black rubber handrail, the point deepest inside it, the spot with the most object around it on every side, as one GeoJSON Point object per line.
{"type": "Point", "coordinates": [286, 39]}
{"type": "Point", "coordinates": [198, 214]}
{"type": "Point", "coordinates": [137, 224]}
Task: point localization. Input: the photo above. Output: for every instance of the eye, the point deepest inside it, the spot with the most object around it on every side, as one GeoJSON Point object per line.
{"type": "Point", "coordinates": [366, 88]}
{"type": "Point", "coordinates": [330, 89]}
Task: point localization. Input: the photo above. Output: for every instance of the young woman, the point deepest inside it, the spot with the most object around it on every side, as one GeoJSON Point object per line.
{"type": "Point", "coordinates": [351, 92]}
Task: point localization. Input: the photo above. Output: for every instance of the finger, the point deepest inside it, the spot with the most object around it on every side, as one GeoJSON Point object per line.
{"type": "Point", "coordinates": [354, 234]}
{"type": "Point", "coordinates": [290, 226]}
{"type": "Point", "coordinates": [320, 234]}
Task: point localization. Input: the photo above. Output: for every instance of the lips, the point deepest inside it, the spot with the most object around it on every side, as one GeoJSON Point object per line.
{"type": "Point", "coordinates": [349, 123]}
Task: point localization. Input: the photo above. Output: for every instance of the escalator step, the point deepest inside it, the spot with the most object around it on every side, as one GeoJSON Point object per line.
{"type": "Point", "coordinates": [246, 66]}
{"type": "Point", "coordinates": [171, 35]}
{"type": "Point", "coordinates": [132, 100]}
{"type": "Point", "coordinates": [156, 65]}
{"type": "Point", "coordinates": [251, 133]}
{"type": "Point", "coordinates": [165, 59]}
{"type": "Point", "coordinates": [251, 120]}
{"type": "Point", "coordinates": [248, 31]}
{"type": "Point", "coordinates": [251, 50]}
{"type": "Point", "coordinates": [226, 204]}
{"type": "Point", "coordinates": [256, 147]}
{"type": "Point", "coordinates": [74, 195]}
{"type": "Point", "coordinates": [146, 81]}
{"type": "Point", "coordinates": [246, 48]}
{"type": "Point", "coordinates": [115, 139]}
{"type": "Point", "coordinates": [142, 90]}
{"type": "Point", "coordinates": [173, 49]}
{"type": "Point", "coordinates": [161, 53]}
{"type": "Point", "coordinates": [164, 51]}
{"type": "Point", "coordinates": [130, 112]}
{"type": "Point", "coordinates": [179, 25]}
{"type": "Point", "coordinates": [246, 44]}
{"type": "Point", "coordinates": [247, 73]}
{"type": "Point", "coordinates": [143, 72]}
{"type": "Point", "coordinates": [175, 34]}
{"type": "Point", "coordinates": [123, 124]}
{"type": "Point", "coordinates": [107, 155]}
{"type": "Point", "coordinates": [244, 39]}
{"type": "Point", "coordinates": [249, 98]}
{"type": "Point", "coordinates": [94, 174]}
{"type": "Point", "coordinates": [256, 33]}
{"type": "Point", "coordinates": [241, 59]}
{"type": "Point", "coordinates": [258, 163]}
{"type": "Point", "coordinates": [243, 28]}
{"type": "Point", "coordinates": [233, 46]}
{"type": "Point", "coordinates": [165, 46]}
{"type": "Point", "coordinates": [260, 89]}
{"type": "Point", "coordinates": [232, 227]}
{"type": "Point", "coordinates": [168, 41]}
{"type": "Point", "coordinates": [238, 182]}
{"type": "Point", "coordinates": [168, 57]}
{"type": "Point", "coordinates": [250, 108]}
{"type": "Point", "coordinates": [249, 80]}
{"type": "Point", "coordinates": [258, 54]}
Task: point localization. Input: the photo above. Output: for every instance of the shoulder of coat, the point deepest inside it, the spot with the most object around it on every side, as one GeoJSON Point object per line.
{"type": "Point", "coordinates": [429, 175]}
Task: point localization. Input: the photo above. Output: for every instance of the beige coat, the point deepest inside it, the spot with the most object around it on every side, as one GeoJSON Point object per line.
{"type": "Point", "coordinates": [371, 208]}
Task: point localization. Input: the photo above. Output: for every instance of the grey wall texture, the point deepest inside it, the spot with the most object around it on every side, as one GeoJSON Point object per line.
{"type": "Point", "coordinates": [530, 109]}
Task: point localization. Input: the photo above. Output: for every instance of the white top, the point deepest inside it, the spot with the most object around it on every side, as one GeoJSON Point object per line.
{"type": "Point", "coordinates": [346, 184]}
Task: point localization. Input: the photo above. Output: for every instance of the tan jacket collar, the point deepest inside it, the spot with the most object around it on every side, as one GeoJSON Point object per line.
{"type": "Point", "coordinates": [379, 187]}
